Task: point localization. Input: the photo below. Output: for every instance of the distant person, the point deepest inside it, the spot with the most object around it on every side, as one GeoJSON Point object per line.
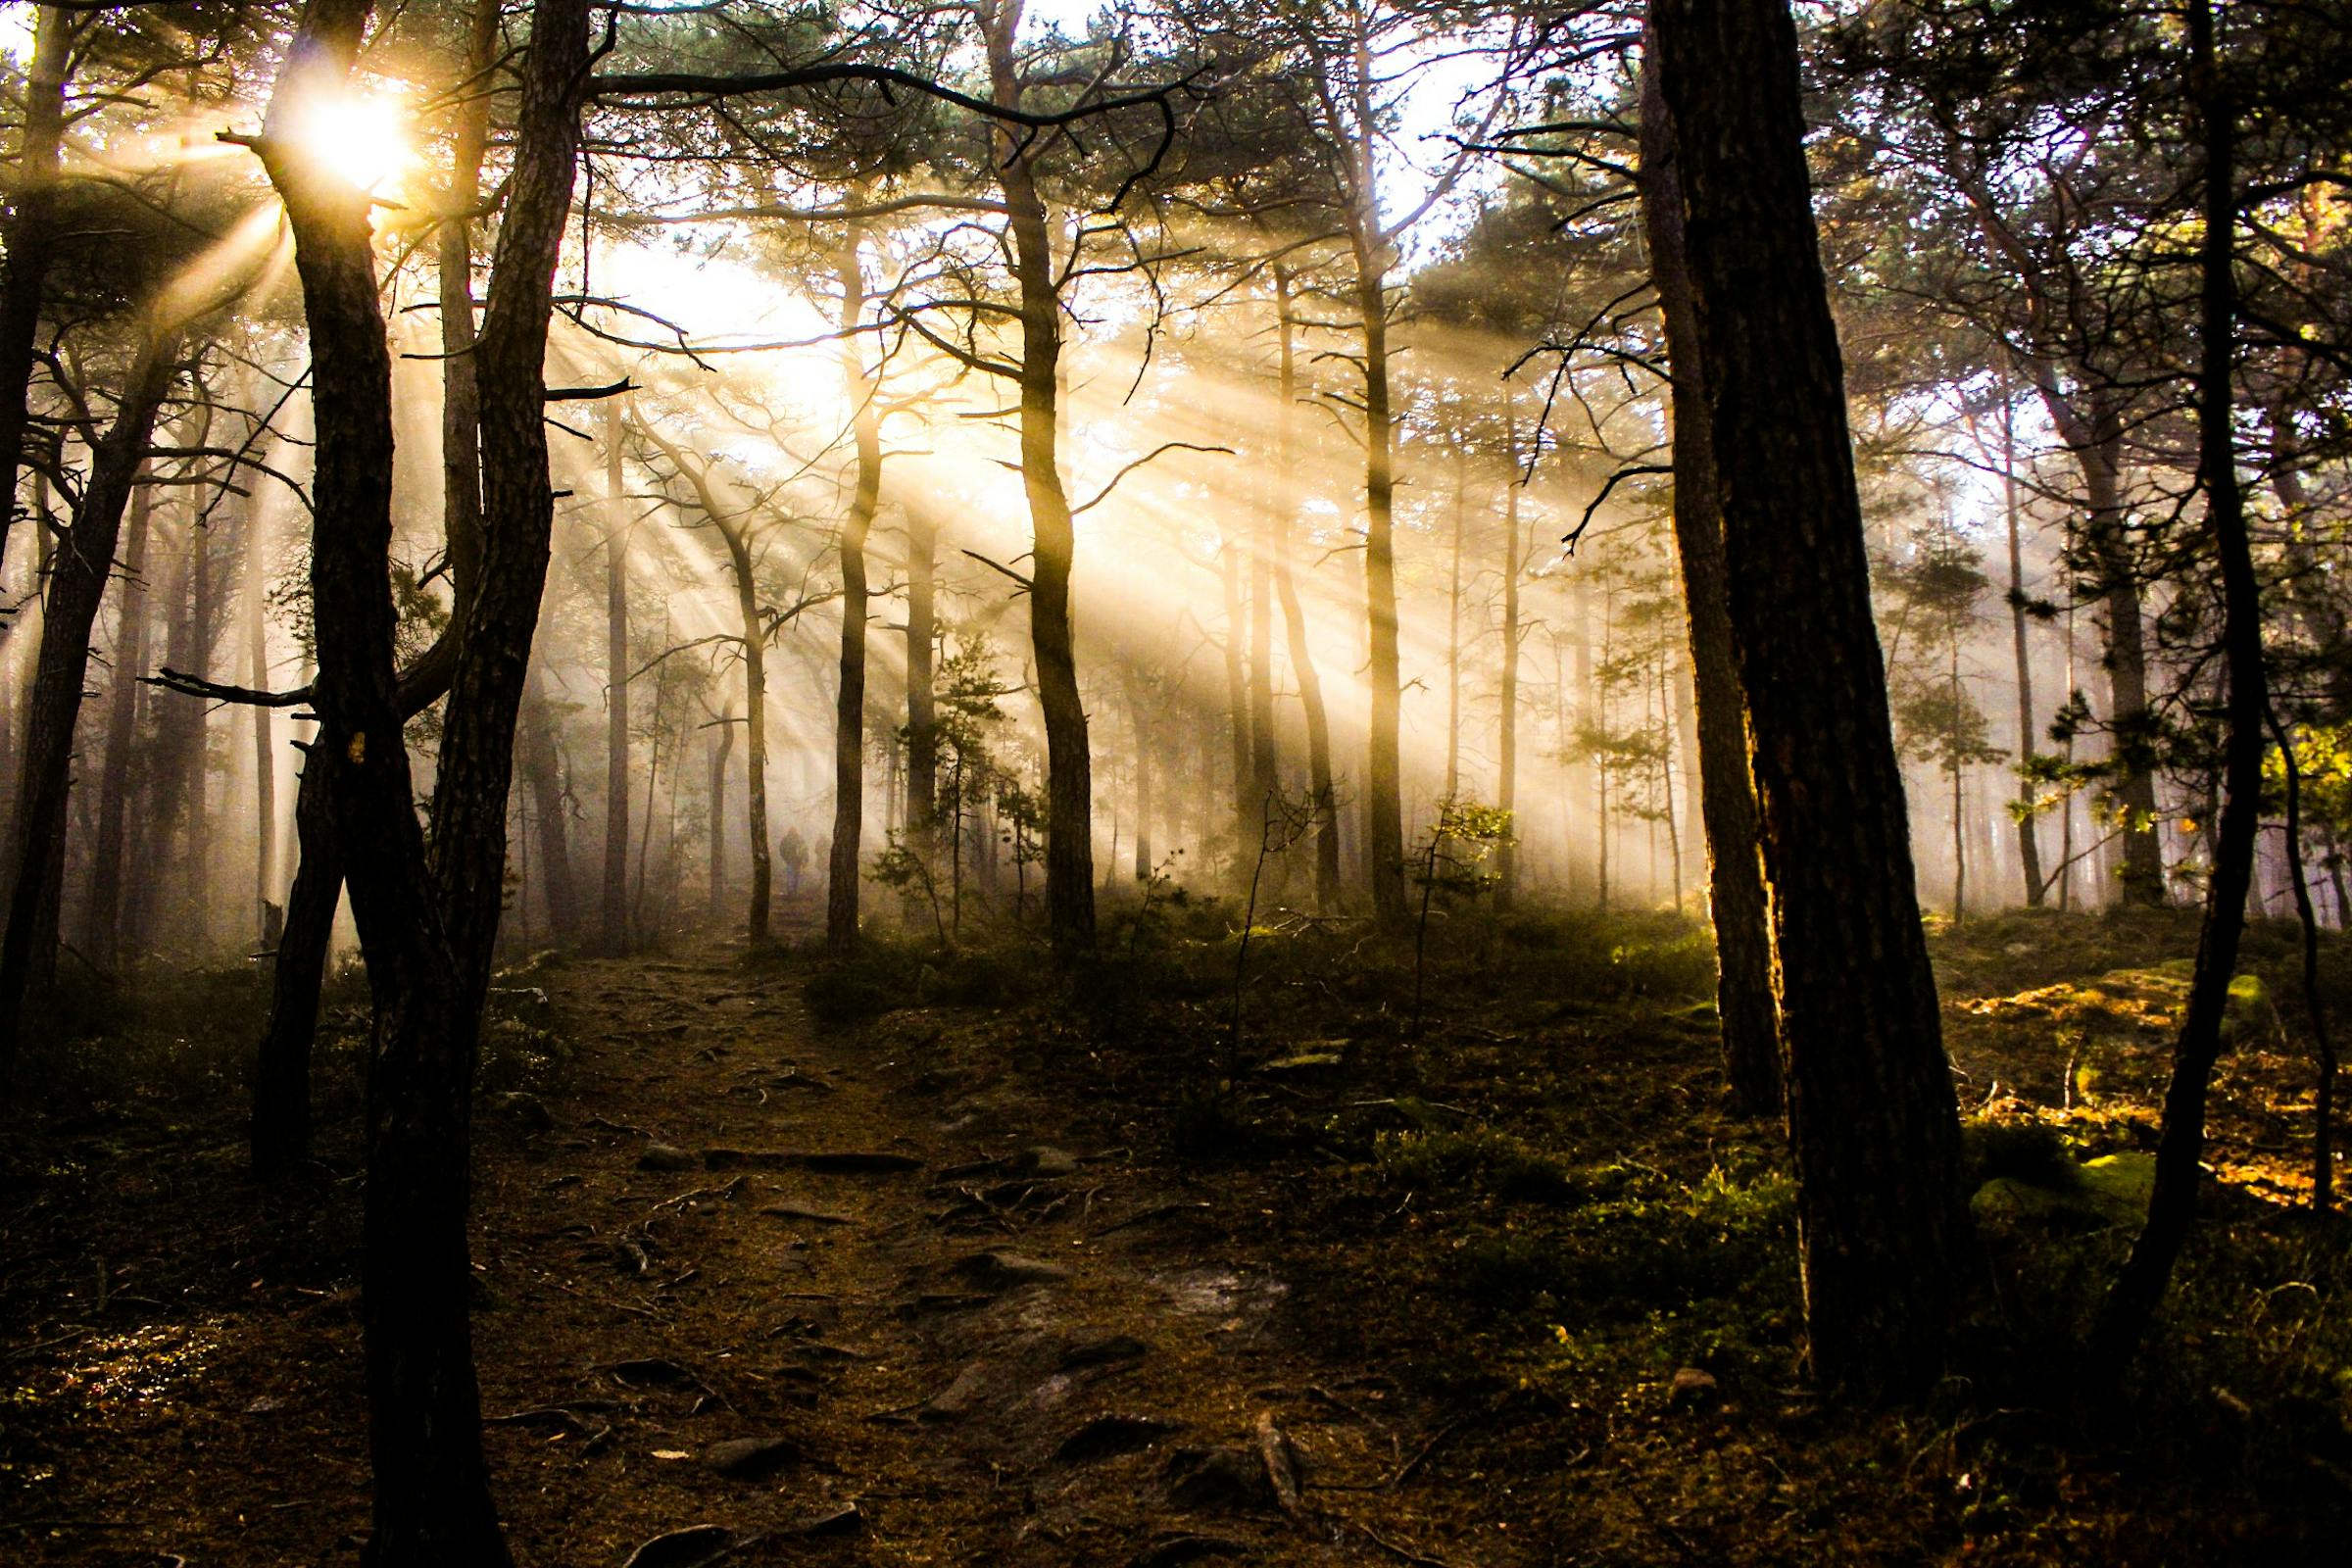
{"type": "Point", "coordinates": [793, 850]}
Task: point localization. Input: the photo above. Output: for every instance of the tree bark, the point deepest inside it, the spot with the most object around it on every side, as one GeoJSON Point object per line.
{"type": "Point", "coordinates": [617, 697]}
{"type": "Point", "coordinates": [1514, 557]}
{"type": "Point", "coordinates": [922, 708]}
{"type": "Point", "coordinates": [1301, 643]}
{"type": "Point", "coordinates": [2132, 1302]}
{"type": "Point", "coordinates": [102, 907]}
{"type": "Point", "coordinates": [2028, 833]}
{"type": "Point", "coordinates": [848, 717]}
{"type": "Point", "coordinates": [76, 583]}
{"type": "Point", "coordinates": [1069, 783]}
{"type": "Point", "coordinates": [31, 243]}
{"type": "Point", "coordinates": [1872, 1120]}
{"type": "Point", "coordinates": [1745, 1008]}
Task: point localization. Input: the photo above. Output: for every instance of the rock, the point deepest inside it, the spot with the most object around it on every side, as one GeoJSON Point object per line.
{"type": "Point", "coordinates": [1215, 1481]}
{"type": "Point", "coordinates": [1108, 1436]}
{"type": "Point", "coordinates": [1103, 1352]}
{"type": "Point", "coordinates": [526, 1111]}
{"type": "Point", "coordinates": [806, 1216]}
{"type": "Point", "coordinates": [664, 1156]}
{"type": "Point", "coordinates": [1280, 1459]}
{"type": "Point", "coordinates": [2119, 1185]}
{"type": "Point", "coordinates": [1047, 1160]}
{"type": "Point", "coordinates": [845, 1520]}
{"type": "Point", "coordinates": [958, 1400]}
{"type": "Point", "coordinates": [857, 1162]}
{"type": "Point", "coordinates": [1172, 1551]}
{"type": "Point", "coordinates": [1693, 1389]}
{"type": "Point", "coordinates": [1003, 1271]}
{"type": "Point", "coordinates": [680, 1547]}
{"type": "Point", "coordinates": [1304, 1064]}
{"type": "Point", "coordinates": [751, 1458]}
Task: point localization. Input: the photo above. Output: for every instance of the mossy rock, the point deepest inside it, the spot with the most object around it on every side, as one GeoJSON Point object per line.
{"type": "Point", "coordinates": [2112, 1189]}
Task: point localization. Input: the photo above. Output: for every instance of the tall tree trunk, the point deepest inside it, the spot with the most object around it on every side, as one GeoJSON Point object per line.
{"type": "Point", "coordinates": [543, 775]}
{"type": "Point", "coordinates": [755, 731]}
{"type": "Point", "coordinates": [1506, 778]}
{"type": "Point", "coordinates": [2029, 832]}
{"type": "Point", "coordinates": [1744, 1006]}
{"type": "Point", "coordinates": [102, 907]}
{"type": "Point", "coordinates": [1454, 620]}
{"type": "Point", "coordinates": [254, 594]}
{"type": "Point", "coordinates": [722, 749]}
{"type": "Point", "coordinates": [617, 696]}
{"type": "Point", "coordinates": [31, 242]}
{"type": "Point", "coordinates": [76, 583]}
{"type": "Point", "coordinates": [1872, 1120]}
{"type": "Point", "coordinates": [1384, 803]}
{"type": "Point", "coordinates": [281, 1133]}
{"type": "Point", "coordinates": [1069, 787]}
{"type": "Point", "coordinates": [848, 718]}
{"type": "Point", "coordinates": [1320, 785]}
{"type": "Point", "coordinates": [2132, 1302]}
{"type": "Point", "coordinates": [922, 708]}
{"type": "Point", "coordinates": [1248, 808]}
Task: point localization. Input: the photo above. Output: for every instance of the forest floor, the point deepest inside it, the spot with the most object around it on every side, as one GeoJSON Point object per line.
{"type": "Point", "coordinates": [933, 1260]}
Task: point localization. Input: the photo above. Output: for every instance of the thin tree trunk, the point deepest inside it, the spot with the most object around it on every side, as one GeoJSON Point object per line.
{"type": "Point", "coordinates": [1453, 628]}
{"type": "Point", "coordinates": [76, 583]}
{"type": "Point", "coordinates": [1301, 643]}
{"type": "Point", "coordinates": [848, 719]}
{"type": "Point", "coordinates": [102, 907]}
{"type": "Point", "coordinates": [722, 748]}
{"type": "Point", "coordinates": [2132, 1302]}
{"type": "Point", "coordinates": [1506, 783]}
{"type": "Point", "coordinates": [1744, 1006]}
{"type": "Point", "coordinates": [1248, 808]}
{"type": "Point", "coordinates": [1873, 1129]}
{"type": "Point", "coordinates": [2029, 832]}
{"type": "Point", "coordinates": [1069, 831]}
{"type": "Point", "coordinates": [31, 242]}
{"type": "Point", "coordinates": [255, 593]}
{"type": "Point", "coordinates": [616, 936]}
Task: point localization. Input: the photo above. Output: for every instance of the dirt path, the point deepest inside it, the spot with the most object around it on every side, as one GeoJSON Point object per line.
{"type": "Point", "coordinates": [874, 1302]}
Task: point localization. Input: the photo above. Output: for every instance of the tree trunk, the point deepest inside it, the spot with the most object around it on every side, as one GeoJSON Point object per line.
{"type": "Point", "coordinates": [255, 594]}
{"type": "Point", "coordinates": [102, 908]}
{"type": "Point", "coordinates": [2029, 832]}
{"type": "Point", "coordinates": [848, 718]}
{"type": "Point", "coordinates": [1507, 780]}
{"type": "Point", "coordinates": [1248, 808]}
{"type": "Point", "coordinates": [543, 775]}
{"type": "Point", "coordinates": [76, 583]}
{"type": "Point", "coordinates": [1384, 805]}
{"type": "Point", "coordinates": [1069, 788]}
{"type": "Point", "coordinates": [922, 710]}
{"type": "Point", "coordinates": [1744, 1006]}
{"type": "Point", "coordinates": [31, 242]}
{"type": "Point", "coordinates": [1320, 784]}
{"type": "Point", "coordinates": [722, 748]}
{"type": "Point", "coordinates": [1872, 1125]}
{"type": "Point", "coordinates": [2132, 1302]}
{"type": "Point", "coordinates": [617, 696]}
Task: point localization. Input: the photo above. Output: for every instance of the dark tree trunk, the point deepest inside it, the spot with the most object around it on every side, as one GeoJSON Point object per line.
{"type": "Point", "coordinates": [543, 775]}
{"type": "Point", "coordinates": [1384, 803]}
{"type": "Point", "coordinates": [722, 746]}
{"type": "Point", "coordinates": [2028, 833]}
{"type": "Point", "coordinates": [255, 593]}
{"type": "Point", "coordinates": [922, 711]}
{"type": "Point", "coordinates": [31, 242]}
{"type": "Point", "coordinates": [281, 1069]}
{"type": "Point", "coordinates": [2132, 1302]}
{"type": "Point", "coordinates": [1514, 556]}
{"type": "Point", "coordinates": [76, 583]}
{"type": "Point", "coordinates": [848, 717]}
{"type": "Point", "coordinates": [1248, 808]}
{"type": "Point", "coordinates": [1872, 1125]}
{"type": "Point", "coordinates": [1070, 769]}
{"type": "Point", "coordinates": [427, 926]}
{"type": "Point", "coordinates": [101, 909]}
{"type": "Point", "coordinates": [1294, 615]}
{"type": "Point", "coordinates": [1749, 1020]}
{"type": "Point", "coordinates": [617, 698]}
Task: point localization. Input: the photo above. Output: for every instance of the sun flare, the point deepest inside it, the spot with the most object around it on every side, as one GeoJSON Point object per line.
{"type": "Point", "coordinates": [359, 137]}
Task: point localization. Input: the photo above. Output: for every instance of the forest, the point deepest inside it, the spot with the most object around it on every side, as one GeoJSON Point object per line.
{"type": "Point", "coordinates": [1439, 782]}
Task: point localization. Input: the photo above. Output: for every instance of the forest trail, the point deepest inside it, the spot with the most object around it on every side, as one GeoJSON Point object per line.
{"type": "Point", "coordinates": [803, 1288]}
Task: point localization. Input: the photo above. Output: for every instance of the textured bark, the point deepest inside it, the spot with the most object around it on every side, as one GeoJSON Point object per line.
{"type": "Point", "coordinates": [1384, 803]}
{"type": "Point", "coordinates": [254, 594]}
{"type": "Point", "coordinates": [1506, 751]}
{"type": "Point", "coordinates": [76, 583]}
{"type": "Point", "coordinates": [2132, 1302]}
{"type": "Point", "coordinates": [102, 908]}
{"type": "Point", "coordinates": [543, 775]}
{"type": "Point", "coordinates": [428, 922]}
{"type": "Point", "coordinates": [922, 708]}
{"type": "Point", "coordinates": [722, 748]}
{"type": "Point", "coordinates": [2028, 833]}
{"type": "Point", "coordinates": [1872, 1125]}
{"type": "Point", "coordinates": [281, 1131]}
{"type": "Point", "coordinates": [31, 243]}
{"type": "Point", "coordinates": [617, 698]}
{"type": "Point", "coordinates": [1744, 1006]}
{"type": "Point", "coordinates": [849, 716]}
{"type": "Point", "coordinates": [1302, 644]}
{"type": "Point", "coordinates": [1070, 769]}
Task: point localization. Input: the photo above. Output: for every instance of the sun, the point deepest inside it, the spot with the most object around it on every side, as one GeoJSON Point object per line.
{"type": "Point", "coordinates": [361, 138]}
